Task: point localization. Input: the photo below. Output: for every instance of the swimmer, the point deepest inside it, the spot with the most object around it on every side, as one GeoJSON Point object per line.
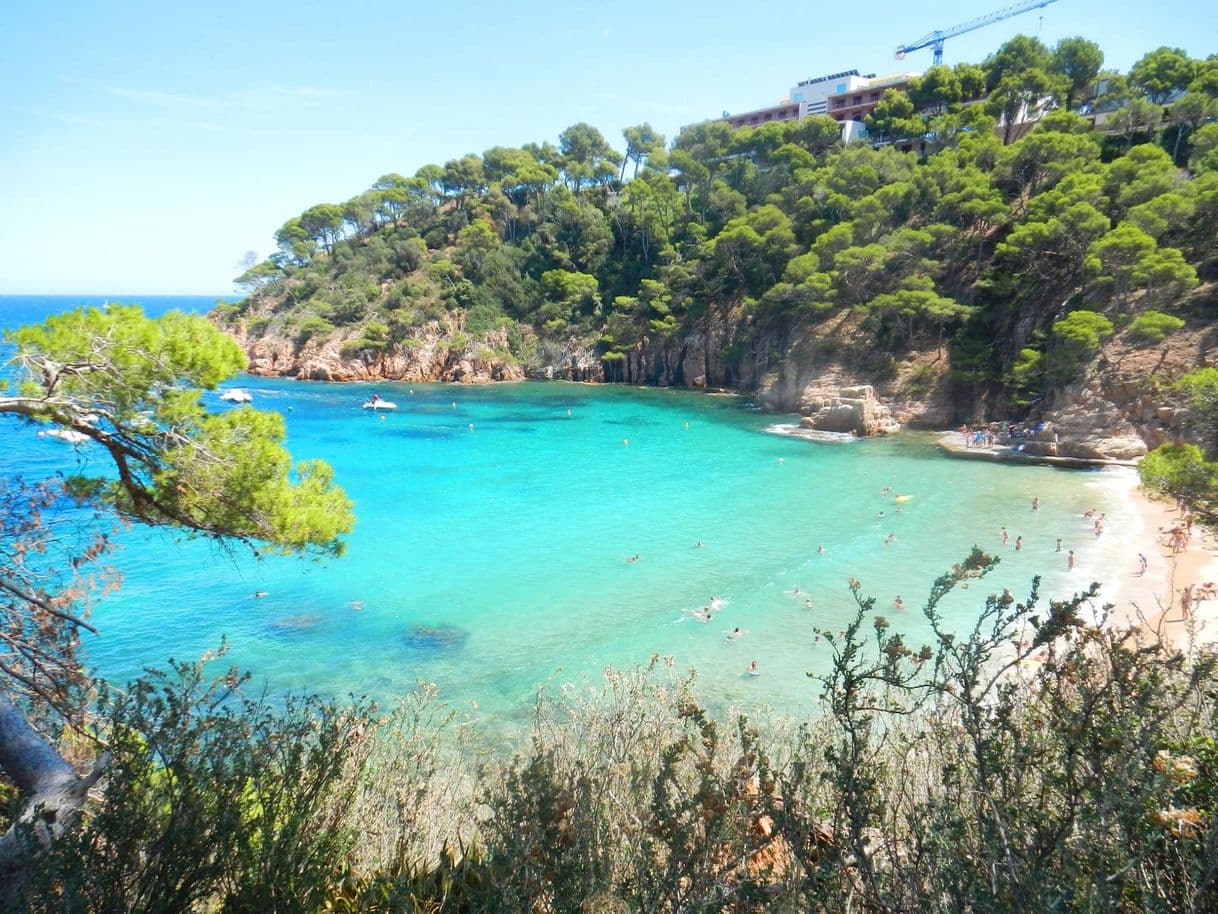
{"type": "Point", "coordinates": [1059, 545]}
{"type": "Point", "coordinates": [820, 550]}
{"type": "Point", "coordinates": [699, 545]}
{"type": "Point", "coordinates": [782, 460]}
{"type": "Point", "coordinates": [1005, 536]}
{"type": "Point", "coordinates": [686, 425]}
{"type": "Point", "coordinates": [259, 594]}
{"type": "Point", "coordinates": [625, 441]}
{"type": "Point", "coordinates": [1018, 543]}
{"type": "Point", "coordinates": [454, 404]}
{"type": "Point", "coordinates": [471, 426]}
{"type": "Point", "coordinates": [1070, 560]}
{"type": "Point", "coordinates": [568, 412]}
{"type": "Point", "coordinates": [898, 603]}
{"type": "Point", "coordinates": [753, 670]}
{"type": "Point", "coordinates": [889, 539]}
{"type": "Point", "coordinates": [887, 490]}
{"type": "Point", "coordinates": [357, 605]}
{"type": "Point", "coordinates": [633, 558]}
{"type": "Point", "coordinates": [1035, 504]}
{"type": "Point", "coordinates": [881, 514]}
{"type": "Point", "coordinates": [1089, 513]}
{"type": "Point", "coordinates": [412, 391]}
{"type": "Point", "coordinates": [808, 604]}
{"type": "Point", "coordinates": [734, 633]}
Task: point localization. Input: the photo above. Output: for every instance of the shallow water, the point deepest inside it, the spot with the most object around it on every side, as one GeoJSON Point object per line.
{"type": "Point", "coordinates": [495, 526]}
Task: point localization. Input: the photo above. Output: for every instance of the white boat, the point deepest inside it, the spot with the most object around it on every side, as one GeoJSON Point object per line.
{"type": "Point", "coordinates": [237, 395]}
{"type": "Point", "coordinates": [70, 436]}
{"type": "Point", "coordinates": [379, 404]}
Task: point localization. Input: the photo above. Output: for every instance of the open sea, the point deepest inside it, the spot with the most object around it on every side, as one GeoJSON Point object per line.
{"type": "Point", "coordinates": [495, 526]}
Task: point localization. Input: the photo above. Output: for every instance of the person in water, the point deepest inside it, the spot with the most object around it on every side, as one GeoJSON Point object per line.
{"type": "Point", "coordinates": [898, 603]}
{"type": "Point", "coordinates": [1018, 543]}
{"type": "Point", "coordinates": [753, 669]}
{"type": "Point", "coordinates": [734, 633]}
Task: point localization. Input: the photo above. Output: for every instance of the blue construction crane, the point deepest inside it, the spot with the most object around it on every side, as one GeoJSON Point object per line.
{"type": "Point", "coordinates": [935, 39]}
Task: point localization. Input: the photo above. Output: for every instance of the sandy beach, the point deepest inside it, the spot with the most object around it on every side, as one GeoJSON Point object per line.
{"type": "Point", "coordinates": [1153, 600]}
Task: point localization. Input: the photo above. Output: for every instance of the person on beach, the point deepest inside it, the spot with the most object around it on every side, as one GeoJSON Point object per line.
{"type": "Point", "coordinates": [1070, 560]}
{"type": "Point", "coordinates": [1005, 536]}
{"type": "Point", "coordinates": [1142, 563]}
{"type": "Point", "coordinates": [1018, 543]}
{"type": "Point", "coordinates": [1186, 601]}
{"type": "Point", "coordinates": [1059, 545]}
{"type": "Point", "coordinates": [965, 435]}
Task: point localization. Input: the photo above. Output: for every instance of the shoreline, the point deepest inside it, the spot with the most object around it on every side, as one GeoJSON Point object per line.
{"type": "Point", "coordinates": [1152, 605]}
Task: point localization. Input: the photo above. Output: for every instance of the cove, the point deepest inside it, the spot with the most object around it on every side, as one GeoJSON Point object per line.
{"type": "Point", "coordinates": [496, 524]}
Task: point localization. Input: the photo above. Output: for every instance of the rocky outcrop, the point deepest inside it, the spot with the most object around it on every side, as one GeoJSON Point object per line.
{"type": "Point", "coordinates": [437, 354]}
{"type": "Point", "coordinates": [1091, 427]}
{"type": "Point", "coordinates": [850, 409]}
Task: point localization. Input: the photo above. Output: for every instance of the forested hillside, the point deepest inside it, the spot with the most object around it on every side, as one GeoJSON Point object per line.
{"type": "Point", "coordinates": [994, 223]}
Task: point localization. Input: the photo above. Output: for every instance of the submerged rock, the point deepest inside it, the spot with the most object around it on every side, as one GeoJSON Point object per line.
{"type": "Point", "coordinates": [298, 623]}
{"type": "Point", "coordinates": [435, 637]}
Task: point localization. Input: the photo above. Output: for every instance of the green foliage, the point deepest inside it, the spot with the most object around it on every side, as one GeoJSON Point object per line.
{"type": "Point", "coordinates": [1154, 326]}
{"type": "Point", "coordinates": [759, 230]}
{"type": "Point", "coordinates": [1163, 71]}
{"type": "Point", "coordinates": [1181, 471]}
{"type": "Point", "coordinates": [211, 801]}
{"type": "Point", "coordinates": [1082, 331]}
{"type": "Point", "coordinates": [312, 326]}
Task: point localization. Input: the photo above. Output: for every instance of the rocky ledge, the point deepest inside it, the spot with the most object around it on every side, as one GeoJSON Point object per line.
{"type": "Point", "coordinates": [848, 409]}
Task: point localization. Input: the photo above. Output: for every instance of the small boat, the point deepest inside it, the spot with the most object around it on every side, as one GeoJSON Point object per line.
{"type": "Point", "coordinates": [237, 395]}
{"type": "Point", "coordinates": [67, 435]}
{"type": "Point", "coordinates": [379, 404]}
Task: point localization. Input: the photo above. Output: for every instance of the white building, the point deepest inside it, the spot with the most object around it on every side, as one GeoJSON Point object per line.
{"type": "Point", "coordinates": [812, 95]}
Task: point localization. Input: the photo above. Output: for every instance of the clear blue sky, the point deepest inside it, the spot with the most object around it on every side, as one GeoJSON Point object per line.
{"type": "Point", "coordinates": [145, 146]}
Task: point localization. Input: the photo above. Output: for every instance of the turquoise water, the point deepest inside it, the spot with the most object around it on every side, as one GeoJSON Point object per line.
{"type": "Point", "coordinates": [495, 526]}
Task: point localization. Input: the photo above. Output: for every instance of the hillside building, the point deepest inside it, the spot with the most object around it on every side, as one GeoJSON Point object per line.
{"type": "Point", "coordinates": [858, 101]}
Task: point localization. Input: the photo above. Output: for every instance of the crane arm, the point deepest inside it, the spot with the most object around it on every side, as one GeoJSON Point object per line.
{"type": "Point", "coordinates": [938, 36]}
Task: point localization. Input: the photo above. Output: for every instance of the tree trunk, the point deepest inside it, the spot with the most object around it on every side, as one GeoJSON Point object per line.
{"type": "Point", "coordinates": [55, 793]}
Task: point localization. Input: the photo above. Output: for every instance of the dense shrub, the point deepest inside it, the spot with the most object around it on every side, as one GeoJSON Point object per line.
{"type": "Point", "coordinates": [1154, 326]}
